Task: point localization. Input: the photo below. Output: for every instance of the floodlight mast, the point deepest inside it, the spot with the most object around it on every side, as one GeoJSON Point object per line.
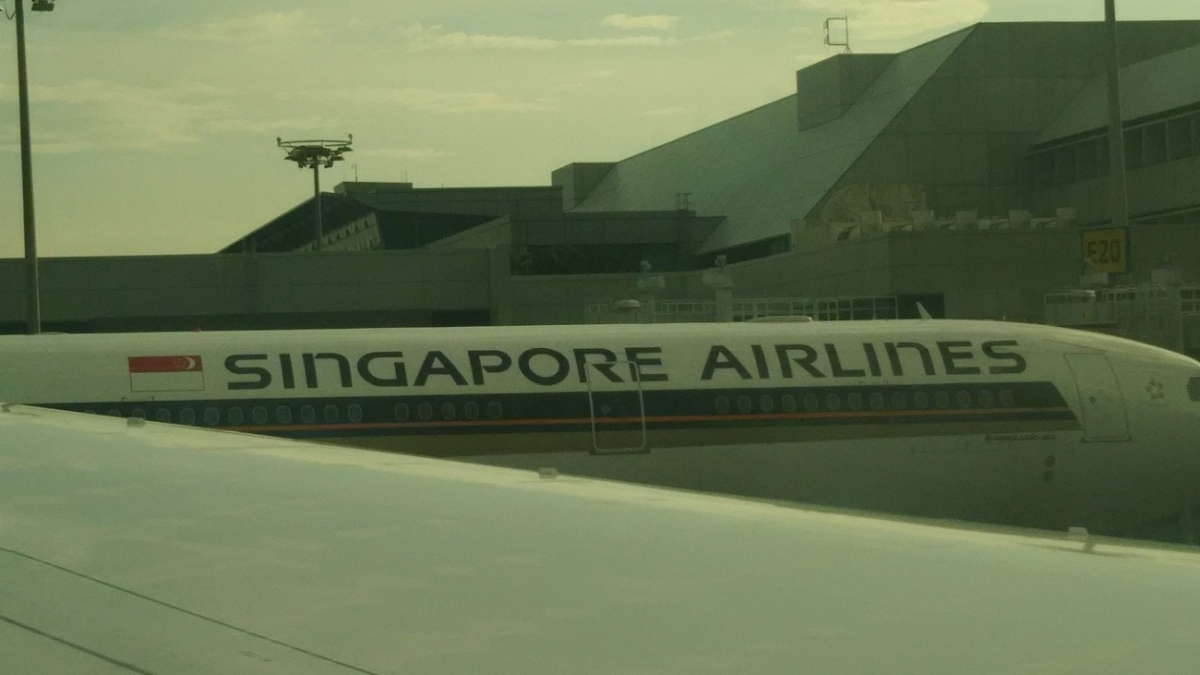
{"type": "Point", "coordinates": [313, 155]}
{"type": "Point", "coordinates": [33, 308]}
{"type": "Point", "coordinates": [1118, 188]}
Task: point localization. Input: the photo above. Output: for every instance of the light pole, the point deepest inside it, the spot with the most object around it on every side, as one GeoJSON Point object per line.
{"type": "Point", "coordinates": [33, 309]}
{"type": "Point", "coordinates": [1118, 200]}
{"type": "Point", "coordinates": [313, 155]}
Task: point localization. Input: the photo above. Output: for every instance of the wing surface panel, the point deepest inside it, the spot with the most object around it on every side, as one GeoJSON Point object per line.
{"type": "Point", "coordinates": [22, 647]}
{"type": "Point", "coordinates": [169, 546]}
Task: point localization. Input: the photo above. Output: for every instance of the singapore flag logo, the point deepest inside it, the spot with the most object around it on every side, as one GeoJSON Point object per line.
{"type": "Point", "coordinates": [166, 373]}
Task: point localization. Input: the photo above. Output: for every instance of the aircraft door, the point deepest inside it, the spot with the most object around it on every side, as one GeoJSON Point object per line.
{"type": "Point", "coordinates": [1099, 397]}
{"type": "Point", "coordinates": [617, 407]}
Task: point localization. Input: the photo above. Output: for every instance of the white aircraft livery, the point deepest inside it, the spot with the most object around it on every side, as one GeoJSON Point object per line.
{"type": "Point", "coordinates": [133, 547]}
{"type": "Point", "coordinates": [989, 421]}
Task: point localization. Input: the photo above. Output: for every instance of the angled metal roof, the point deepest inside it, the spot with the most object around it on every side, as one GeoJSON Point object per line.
{"type": "Point", "coordinates": [758, 169]}
{"type": "Point", "coordinates": [1148, 88]}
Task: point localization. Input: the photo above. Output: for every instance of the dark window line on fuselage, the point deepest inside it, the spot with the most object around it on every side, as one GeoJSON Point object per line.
{"type": "Point", "coordinates": [668, 408]}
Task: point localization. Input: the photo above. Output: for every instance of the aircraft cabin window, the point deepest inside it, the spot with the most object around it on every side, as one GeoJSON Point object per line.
{"type": "Point", "coordinates": [722, 404]}
{"type": "Point", "coordinates": [744, 405]}
{"type": "Point", "coordinates": [788, 402]}
{"type": "Point", "coordinates": [354, 412]}
{"type": "Point", "coordinates": [1194, 388]}
{"type": "Point", "coordinates": [941, 400]}
{"type": "Point", "coordinates": [963, 398]}
{"type": "Point", "coordinates": [1006, 398]}
{"type": "Point", "coordinates": [138, 412]}
{"type": "Point", "coordinates": [331, 413]}
{"type": "Point", "coordinates": [283, 414]}
{"type": "Point", "coordinates": [854, 400]}
{"type": "Point", "coordinates": [425, 412]}
{"type": "Point", "coordinates": [920, 400]}
{"type": "Point", "coordinates": [898, 400]}
{"type": "Point", "coordinates": [162, 415]}
{"type": "Point", "coordinates": [766, 404]}
{"type": "Point", "coordinates": [811, 403]}
{"type": "Point", "coordinates": [471, 410]}
{"type": "Point", "coordinates": [495, 410]}
{"type": "Point", "coordinates": [259, 414]}
{"type": "Point", "coordinates": [401, 412]}
{"type": "Point", "coordinates": [833, 402]}
{"type": "Point", "coordinates": [876, 401]}
{"type": "Point", "coordinates": [985, 398]}
{"type": "Point", "coordinates": [187, 416]}
{"type": "Point", "coordinates": [236, 416]}
{"type": "Point", "coordinates": [449, 412]}
{"type": "Point", "coordinates": [308, 414]}
{"type": "Point", "coordinates": [212, 417]}
{"type": "Point", "coordinates": [113, 412]}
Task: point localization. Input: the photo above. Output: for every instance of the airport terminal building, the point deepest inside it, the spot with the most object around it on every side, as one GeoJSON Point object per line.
{"type": "Point", "coordinates": [968, 174]}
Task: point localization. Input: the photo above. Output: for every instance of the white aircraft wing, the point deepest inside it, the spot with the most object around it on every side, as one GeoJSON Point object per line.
{"type": "Point", "coordinates": [161, 549]}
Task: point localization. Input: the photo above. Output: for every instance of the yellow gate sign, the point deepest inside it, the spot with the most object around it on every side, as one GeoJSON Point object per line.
{"type": "Point", "coordinates": [1107, 249]}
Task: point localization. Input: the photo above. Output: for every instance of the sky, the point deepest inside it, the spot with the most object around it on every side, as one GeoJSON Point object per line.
{"type": "Point", "coordinates": [154, 123]}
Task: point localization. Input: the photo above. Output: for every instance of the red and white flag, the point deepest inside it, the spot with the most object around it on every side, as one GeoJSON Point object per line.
{"type": "Point", "coordinates": [166, 373]}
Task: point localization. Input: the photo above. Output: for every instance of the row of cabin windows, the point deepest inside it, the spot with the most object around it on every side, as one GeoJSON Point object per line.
{"type": "Point", "coordinates": [854, 401]}
{"type": "Point", "coordinates": [307, 414]}
{"type": "Point", "coordinates": [471, 410]}
{"type": "Point", "coordinates": [1145, 145]}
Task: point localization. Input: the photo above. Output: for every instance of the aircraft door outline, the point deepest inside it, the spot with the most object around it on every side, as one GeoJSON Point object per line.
{"type": "Point", "coordinates": [615, 406]}
{"type": "Point", "coordinates": [1101, 403]}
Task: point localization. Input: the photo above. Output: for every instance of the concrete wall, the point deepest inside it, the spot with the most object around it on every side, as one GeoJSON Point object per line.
{"type": "Point", "coordinates": [1154, 247]}
{"type": "Point", "coordinates": [828, 88]}
{"type": "Point", "coordinates": [988, 274]}
{"type": "Point", "coordinates": [232, 290]}
{"type": "Point", "coordinates": [563, 299]}
{"type": "Point", "coordinates": [577, 180]}
{"type": "Point", "coordinates": [964, 138]}
{"type": "Point", "coordinates": [982, 274]}
{"type": "Point", "coordinates": [518, 203]}
{"type": "Point", "coordinates": [1151, 189]}
{"type": "Point", "coordinates": [856, 267]}
{"type": "Point", "coordinates": [491, 234]}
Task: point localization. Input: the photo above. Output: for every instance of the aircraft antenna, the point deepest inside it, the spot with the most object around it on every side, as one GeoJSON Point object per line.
{"type": "Point", "coordinates": [837, 32]}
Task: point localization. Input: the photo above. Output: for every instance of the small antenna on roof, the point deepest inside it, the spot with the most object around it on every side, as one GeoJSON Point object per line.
{"type": "Point", "coordinates": [837, 32]}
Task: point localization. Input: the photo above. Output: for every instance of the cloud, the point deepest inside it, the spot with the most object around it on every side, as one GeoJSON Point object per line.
{"type": "Point", "coordinates": [894, 19]}
{"type": "Point", "coordinates": [718, 35]}
{"type": "Point", "coordinates": [631, 41]}
{"type": "Point", "coordinates": [405, 153]}
{"type": "Point", "coordinates": [430, 38]}
{"type": "Point", "coordinates": [432, 100]}
{"type": "Point", "coordinates": [109, 115]}
{"type": "Point", "coordinates": [426, 38]}
{"type": "Point", "coordinates": [584, 79]}
{"type": "Point", "coordinates": [263, 27]}
{"type": "Point", "coordinates": [665, 112]}
{"type": "Point", "coordinates": [94, 115]}
{"type": "Point", "coordinates": [52, 144]}
{"type": "Point", "coordinates": [241, 125]}
{"type": "Point", "coordinates": [643, 22]}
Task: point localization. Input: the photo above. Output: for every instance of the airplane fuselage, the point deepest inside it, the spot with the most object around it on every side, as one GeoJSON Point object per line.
{"type": "Point", "coordinates": [997, 422]}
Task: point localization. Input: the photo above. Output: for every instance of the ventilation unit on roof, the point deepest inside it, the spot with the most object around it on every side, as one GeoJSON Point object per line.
{"type": "Point", "coordinates": [966, 220]}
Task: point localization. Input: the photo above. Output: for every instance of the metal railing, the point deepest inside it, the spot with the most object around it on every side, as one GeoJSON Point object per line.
{"type": "Point", "coordinates": [704, 311]}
